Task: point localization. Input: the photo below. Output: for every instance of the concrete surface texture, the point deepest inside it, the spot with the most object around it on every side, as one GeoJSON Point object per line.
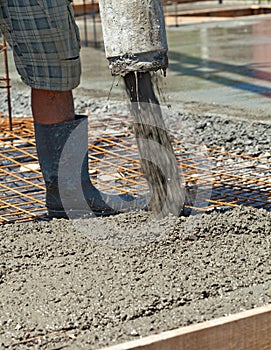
{"type": "Point", "coordinates": [144, 29]}
{"type": "Point", "coordinates": [90, 283]}
{"type": "Point", "coordinates": [59, 288]}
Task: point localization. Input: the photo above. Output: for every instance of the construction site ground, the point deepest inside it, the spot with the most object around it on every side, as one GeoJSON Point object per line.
{"type": "Point", "coordinates": [92, 283]}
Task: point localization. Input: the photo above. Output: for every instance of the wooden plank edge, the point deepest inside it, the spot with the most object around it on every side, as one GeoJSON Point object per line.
{"type": "Point", "coordinates": [247, 330]}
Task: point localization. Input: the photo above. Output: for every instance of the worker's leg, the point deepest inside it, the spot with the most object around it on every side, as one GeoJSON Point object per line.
{"type": "Point", "coordinates": [50, 107]}
{"type": "Point", "coordinates": [45, 42]}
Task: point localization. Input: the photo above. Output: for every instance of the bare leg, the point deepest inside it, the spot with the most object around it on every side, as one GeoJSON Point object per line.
{"type": "Point", "coordinates": [51, 107]}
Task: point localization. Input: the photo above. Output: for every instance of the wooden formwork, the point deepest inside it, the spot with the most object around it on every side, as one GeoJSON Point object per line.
{"type": "Point", "coordinates": [247, 330]}
{"type": "Point", "coordinates": [89, 6]}
{"type": "Point", "coordinates": [229, 11]}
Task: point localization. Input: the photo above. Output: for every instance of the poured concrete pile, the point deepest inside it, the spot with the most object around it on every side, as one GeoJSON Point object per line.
{"type": "Point", "coordinates": [91, 283]}
{"type": "Point", "coordinates": [59, 280]}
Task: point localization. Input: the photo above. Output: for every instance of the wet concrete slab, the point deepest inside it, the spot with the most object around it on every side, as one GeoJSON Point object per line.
{"type": "Point", "coordinates": [221, 67]}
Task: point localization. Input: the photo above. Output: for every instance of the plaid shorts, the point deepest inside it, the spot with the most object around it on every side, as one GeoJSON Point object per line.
{"type": "Point", "coordinates": [45, 42]}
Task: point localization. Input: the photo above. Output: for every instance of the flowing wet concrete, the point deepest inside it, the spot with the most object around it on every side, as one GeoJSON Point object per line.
{"type": "Point", "coordinates": [158, 163]}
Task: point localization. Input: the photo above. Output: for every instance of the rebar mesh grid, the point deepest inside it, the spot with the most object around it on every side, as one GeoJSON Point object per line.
{"type": "Point", "coordinates": [214, 179]}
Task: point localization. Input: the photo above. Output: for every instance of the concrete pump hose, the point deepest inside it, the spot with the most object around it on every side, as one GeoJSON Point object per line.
{"type": "Point", "coordinates": [134, 35]}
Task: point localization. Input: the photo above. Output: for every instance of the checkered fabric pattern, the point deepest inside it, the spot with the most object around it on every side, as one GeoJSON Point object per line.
{"type": "Point", "coordinates": [45, 42]}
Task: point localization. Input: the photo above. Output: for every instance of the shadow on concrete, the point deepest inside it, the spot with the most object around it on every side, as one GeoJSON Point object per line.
{"type": "Point", "coordinates": [210, 70]}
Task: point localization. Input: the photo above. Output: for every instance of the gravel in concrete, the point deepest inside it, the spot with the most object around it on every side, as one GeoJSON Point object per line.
{"type": "Point", "coordinates": [90, 283]}
{"type": "Point", "coordinates": [63, 287]}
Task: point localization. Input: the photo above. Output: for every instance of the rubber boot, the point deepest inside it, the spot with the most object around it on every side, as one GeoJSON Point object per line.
{"type": "Point", "coordinates": [62, 151]}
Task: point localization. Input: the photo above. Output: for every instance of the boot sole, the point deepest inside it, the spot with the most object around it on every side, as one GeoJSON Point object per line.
{"type": "Point", "coordinates": [77, 214]}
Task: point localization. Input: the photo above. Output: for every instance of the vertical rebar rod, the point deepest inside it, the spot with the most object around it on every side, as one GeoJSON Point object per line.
{"type": "Point", "coordinates": [85, 23]}
{"type": "Point", "coordinates": [7, 83]}
{"type": "Point", "coordinates": [95, 42]}
{"type": "Point", "coordinates": [176, 14]}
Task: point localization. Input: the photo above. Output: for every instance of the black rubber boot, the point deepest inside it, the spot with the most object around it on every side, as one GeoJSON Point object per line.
{"type": "Point", "coordinates": [62, 152]}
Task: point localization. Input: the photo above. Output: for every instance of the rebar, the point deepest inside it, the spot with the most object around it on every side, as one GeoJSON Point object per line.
{"type": "Point", "coordinates": [5, 80]}
{"type": "Point", "coordinates": [114, 166]}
